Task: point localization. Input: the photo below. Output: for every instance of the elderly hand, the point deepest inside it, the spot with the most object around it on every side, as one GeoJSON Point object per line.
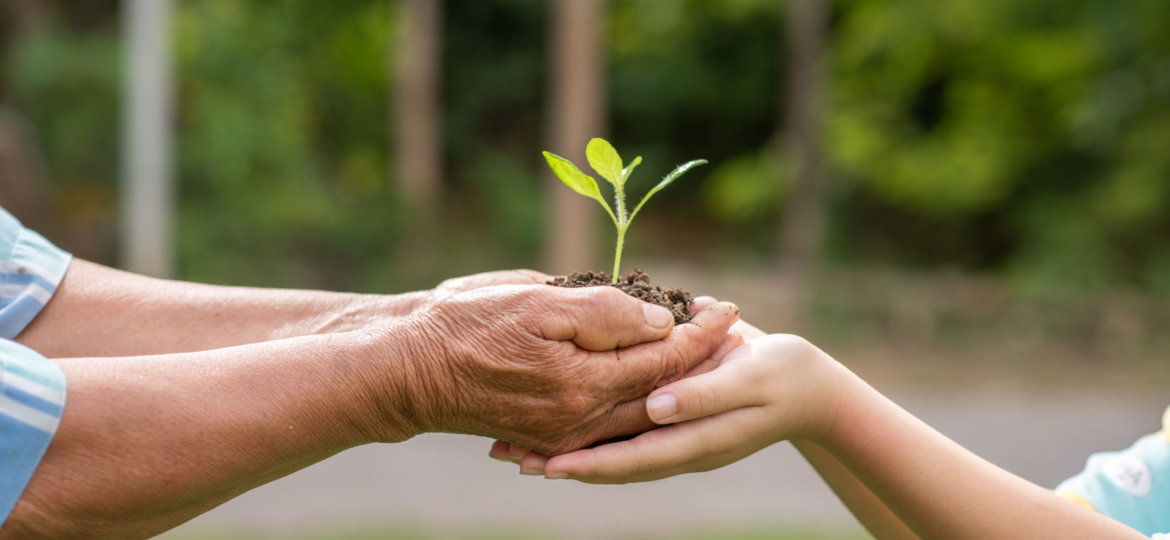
{"type": "Point", "coordinates": [451, 287]}
{"type": "Point", "coordinates": [553, 369]}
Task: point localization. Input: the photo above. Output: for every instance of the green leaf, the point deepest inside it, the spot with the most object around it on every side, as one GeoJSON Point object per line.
{"type": "Point", "coordinates": [677, 172]}
{"type": "Point", "coordinates": [626, 171]}
{"type": "Point", "coordinates": [605, 160]}
{"type": "Point", "coordinates": [576, 180]}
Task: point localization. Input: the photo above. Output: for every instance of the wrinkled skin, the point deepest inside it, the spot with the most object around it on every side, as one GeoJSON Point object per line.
{"type": "Point", "coordinates": [550, 368]}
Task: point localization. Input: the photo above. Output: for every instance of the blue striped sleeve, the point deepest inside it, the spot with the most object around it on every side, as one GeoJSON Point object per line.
{"type": "Point", "coordinates": [32, 388]}
{"type": "Point", "coordinates": [32, 398]}
{"type": "Point", "coordinates": [30, 270]}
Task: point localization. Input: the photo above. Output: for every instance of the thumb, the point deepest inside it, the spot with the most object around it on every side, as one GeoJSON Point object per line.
{"type": "Point", "coordinates": [714, 392]}
{"type": "Point", "coordinates": [604, 318]}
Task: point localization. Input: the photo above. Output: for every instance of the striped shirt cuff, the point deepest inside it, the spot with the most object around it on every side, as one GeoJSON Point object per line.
{"type": "Point", "coordinates": [32, 398]}
{"type": "Point", "coordinates": [30, 270]}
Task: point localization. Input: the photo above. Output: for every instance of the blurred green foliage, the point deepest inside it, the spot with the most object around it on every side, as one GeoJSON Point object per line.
{"type": "Point", "coordinates": [67, 83]}
{"type": "Point", "coordinates": [283, 141]}
{"type": "Point", "coordinates": [1005, 136]}
{"type": "Point", "coordinates": [1025, 140]}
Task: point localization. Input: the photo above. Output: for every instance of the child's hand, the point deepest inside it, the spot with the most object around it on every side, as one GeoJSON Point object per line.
{"type": "Point", "coordinates": [771, 389]}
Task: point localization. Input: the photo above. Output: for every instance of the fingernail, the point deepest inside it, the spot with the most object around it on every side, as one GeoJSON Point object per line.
{"type": "Point", "coordinates": [661, 407]}
{"type": "Point", "coordinates": [499, 458]}
{"type": "Point", "coordinates": [657, 316]}
{"type": "Point", "coordinates": [531, 471]}
{"type": "Point", "coordinates": [557, 476]}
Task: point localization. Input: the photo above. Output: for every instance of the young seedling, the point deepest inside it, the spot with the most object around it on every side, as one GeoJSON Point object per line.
{"type": "Point", "coordinates": [606, 161]}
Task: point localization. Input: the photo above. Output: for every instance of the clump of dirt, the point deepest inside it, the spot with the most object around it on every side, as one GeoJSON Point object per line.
{"type": "Point", "coordinates": [637, 284]}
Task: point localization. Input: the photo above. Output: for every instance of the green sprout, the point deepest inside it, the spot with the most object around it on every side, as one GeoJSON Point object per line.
{"type": "Point", "coordinates": [606, 161]}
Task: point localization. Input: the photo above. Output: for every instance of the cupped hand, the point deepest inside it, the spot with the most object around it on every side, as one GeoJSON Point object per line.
{"type": "Point", "coordinates": [550, 368]}
{"type": "Point", "coordinates": [532, 463]}
{"type": "Point", "coordinates": [770, 389]}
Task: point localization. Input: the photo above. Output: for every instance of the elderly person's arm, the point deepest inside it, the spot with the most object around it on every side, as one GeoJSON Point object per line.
{"type": "Point", "coordinates": [146, 443]}
{"type": "Point", "coordinates": [100, 311]}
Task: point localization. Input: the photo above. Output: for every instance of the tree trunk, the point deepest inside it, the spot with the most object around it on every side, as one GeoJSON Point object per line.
{"type": "Point", "coordinates": [147, 193]}
{"type": "Point", "coordinates": [417, 103]}
{"type": "Point", "coordinates": [804, 213]}
{"type": "Point", "coordinates": [417, 156]}
{"type": "Point", "coordinates": [576, 114]}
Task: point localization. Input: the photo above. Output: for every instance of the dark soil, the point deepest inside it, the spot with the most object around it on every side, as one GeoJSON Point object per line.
{"type": "Point", "coordinates": [636, 284]}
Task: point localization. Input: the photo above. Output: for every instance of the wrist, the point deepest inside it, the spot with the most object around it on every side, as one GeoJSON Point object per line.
{"type": "Point", "coordinates": [853, 401]}
{"type": "Point", "coordinates": [407, 304]}
{"type": "Point", "coordinates": [366, 310]}
{"type": "Point", "coordinates": [830, 389]}
{"type": "Point", "coordinates": [400, 368]}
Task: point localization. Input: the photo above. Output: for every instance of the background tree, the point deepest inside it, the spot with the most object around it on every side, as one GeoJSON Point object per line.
{"type": "Point", "coordinates": [147, 190]}
{"type": "Point", "coordinates": [576, 113]}
{"type": "Point", "coordinates": [804, 212]}
{"type": "Point", "coordinates": [417, 150]}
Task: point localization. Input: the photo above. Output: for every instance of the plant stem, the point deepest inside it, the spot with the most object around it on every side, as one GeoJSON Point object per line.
{"type": "Point", "coordinates": [617, 254]}
{"type": "Point", "coordinates": [623, 224]}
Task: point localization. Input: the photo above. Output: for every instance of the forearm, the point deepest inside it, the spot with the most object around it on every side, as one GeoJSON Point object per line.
{"type": "Point", "coordinates": [941, 490]}
{"type": "Point", "coordinates": [107, 312]}
{"type": "Point", "coordinates": [147, 443]}
{"type": "Point", "coordinates": [861, 502]}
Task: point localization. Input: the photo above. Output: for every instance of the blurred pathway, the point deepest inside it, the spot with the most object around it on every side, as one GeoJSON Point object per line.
{"type": "Point", "coordinates": [447, 483]}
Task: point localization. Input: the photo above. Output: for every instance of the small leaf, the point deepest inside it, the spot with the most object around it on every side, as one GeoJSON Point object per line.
{"type": "Point", "coordinates": [605, 160]}
{"type": "Point", "coordinates": [572, 176]}
{"type": "Point", "coordinates": [677, 172]}
{"type": "Point", "coordinates": [626, 172]}
{"type": "Point", "coordinates": [578, 181]}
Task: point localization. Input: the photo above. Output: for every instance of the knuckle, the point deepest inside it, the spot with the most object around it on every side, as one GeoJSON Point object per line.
{"type": "Point", "coordinates": [642, 467]}
{"type": "Point", "coordinates": [579, 405]}
{"type": "Point", "coordinates": [674, 364]}
{"type": "Point", "coordinates": [706, 400]}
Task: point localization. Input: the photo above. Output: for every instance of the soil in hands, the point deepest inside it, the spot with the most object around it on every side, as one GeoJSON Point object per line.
{"type": "Point", "coordinates": [637, 284]}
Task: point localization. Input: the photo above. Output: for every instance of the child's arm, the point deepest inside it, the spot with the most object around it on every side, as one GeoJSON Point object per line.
{"type": "Point", "coordinates": [861, 502]}
{"type": "Point", "coordinates": [781, 387]}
